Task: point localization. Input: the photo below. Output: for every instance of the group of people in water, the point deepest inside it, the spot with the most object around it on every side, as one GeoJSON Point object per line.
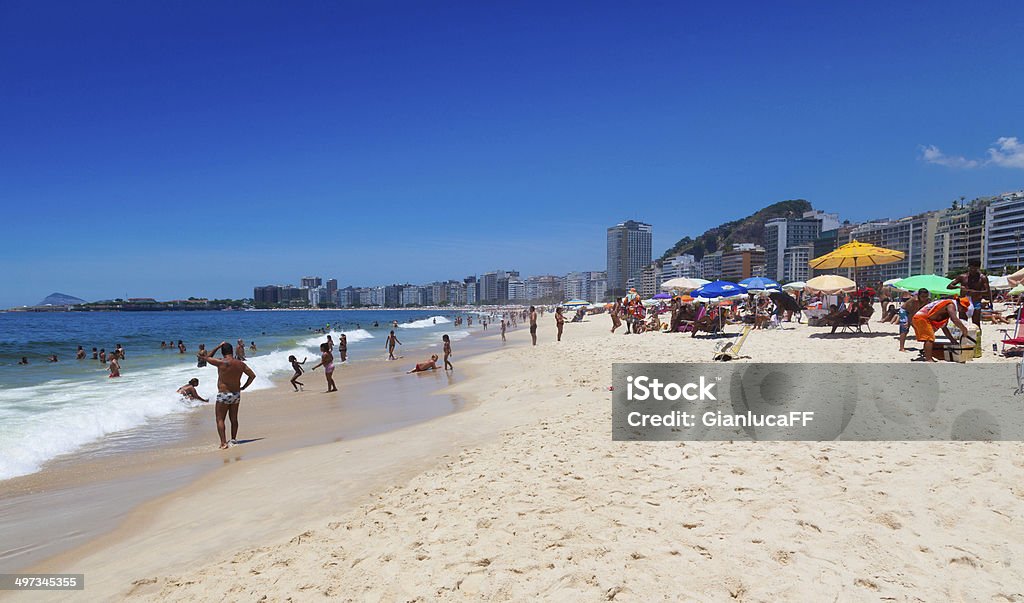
{"type": "Point", "coordinates": [112, 360]}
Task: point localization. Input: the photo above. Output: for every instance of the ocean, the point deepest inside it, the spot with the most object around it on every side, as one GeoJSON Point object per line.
{"type": "Point", "coordinates": [49, 409]}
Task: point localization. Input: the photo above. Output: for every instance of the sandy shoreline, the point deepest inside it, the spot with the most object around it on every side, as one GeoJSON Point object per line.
{"type": "Point", "coordinates": [524, 495]}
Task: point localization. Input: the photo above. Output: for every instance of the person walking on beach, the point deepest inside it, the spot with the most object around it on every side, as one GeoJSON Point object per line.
{"type": "Point", "coordinates": [240, 350]}
{"type": "Point", "coordinates": [343, 347]}
{"type": "Point", "coordinates": [80, 354]}
{"type": "Point", "coordinates": [189, 392]}
{"type": "Point", "coordinates": [390, 345]}
{"type": "Point", "coordinates": [229, 389]}
{"type": "Point", "coordinates": [533, 324]}
{"type": "Point", "coordinates": [447, 352]}
{"type": "Point", "coordinates": [201, 356]}
{"type": "Point", "coordinates": [297, 367]}
{"type": "Point", "coordinates": [559, 321]}
{"type": "Point", "coordinates": [503, 330]}
{"type": "Point", "coordinates": [616, 310]}
{"type": "Point", "coordinates": [327, 361]}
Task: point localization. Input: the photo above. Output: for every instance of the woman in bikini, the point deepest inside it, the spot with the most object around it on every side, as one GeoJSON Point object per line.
{"type": "Point", "coordinates": [327, 361]}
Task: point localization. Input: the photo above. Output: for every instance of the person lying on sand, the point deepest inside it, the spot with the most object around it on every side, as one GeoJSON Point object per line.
{"type": "Point", "coordinates": [425, 366]}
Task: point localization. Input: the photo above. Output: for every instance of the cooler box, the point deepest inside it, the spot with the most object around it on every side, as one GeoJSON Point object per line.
{"type": "Point", "coordinates": [960, 351]}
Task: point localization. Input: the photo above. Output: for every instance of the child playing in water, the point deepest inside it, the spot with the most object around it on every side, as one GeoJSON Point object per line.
{"type": "Point", "coordinates": [327, 361]}
{"type": "Point", "coordinates": [115, 367]}
{"type": "Point", "coordinates": [297, 366]}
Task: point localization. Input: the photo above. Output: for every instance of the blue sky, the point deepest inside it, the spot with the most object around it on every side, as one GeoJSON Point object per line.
{"type": "Point", "coordinates": [172, 149]}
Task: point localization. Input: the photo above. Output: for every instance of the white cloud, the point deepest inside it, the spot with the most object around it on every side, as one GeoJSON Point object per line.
{"type": "Point", "coordinates": [1007, 152]}
{"type": "Point", "coordinates": [932, 154]}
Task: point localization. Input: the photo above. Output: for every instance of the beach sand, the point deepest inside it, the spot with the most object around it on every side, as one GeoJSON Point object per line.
{"type": "Point", "coordinates": [523, 495]}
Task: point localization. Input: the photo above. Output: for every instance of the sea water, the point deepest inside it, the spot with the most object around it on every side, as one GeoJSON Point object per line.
{"type": "Point", "coordinates": [48, 409]}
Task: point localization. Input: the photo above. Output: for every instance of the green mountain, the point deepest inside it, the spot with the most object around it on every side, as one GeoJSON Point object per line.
{"type": "Point", "coordinates": [744, 230]}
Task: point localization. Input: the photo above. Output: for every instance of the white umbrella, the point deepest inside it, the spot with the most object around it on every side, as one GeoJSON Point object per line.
{"type": "Point", "coordinates": [891, 282]}
{"type": "Point", "coordinates": [683, 284]}
{"type": "Point", "coordinates": [795, 286]}
{"type": "Point", "coordinates": [830, 284]}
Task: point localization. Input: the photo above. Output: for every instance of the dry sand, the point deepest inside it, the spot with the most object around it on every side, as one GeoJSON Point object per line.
{"type": "Point", "coordinates": [525, 496]}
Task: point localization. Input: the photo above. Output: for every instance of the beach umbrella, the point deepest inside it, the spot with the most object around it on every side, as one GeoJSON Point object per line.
{"type": "Point", "coordinates": [575, 303]}
{"type": "Point", "coordinates": [830, 284]}
{"type": "Point", "coordinates": [854, 255]}
{"type": "Point", "coordinates": [683, 284]}
{"type": "Point", "coordinates": [784, 301]}
{"type": "Point", "coordinates": [662, 295]}
{"type": "Point", "coordinates": [718, 289]}
{"type": "Point", "coordinates": [794, 286]}
{"type": "Point", "coordinates": [999, 283]}
{"type": "Point", "coordinates": [890, 282]}
{"type": "Point", "coordinates": [1017, 290]}
{"type": "Point", "coordinates": [1017, 278]}
{"type": "Point", "coordinates": [759, 283]}
{"type": "Point", "coordinates": [934, 283]}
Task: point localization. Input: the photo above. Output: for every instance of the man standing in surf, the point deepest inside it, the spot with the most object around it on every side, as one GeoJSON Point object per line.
{"type": "Point", "coordinates": [229, 389]}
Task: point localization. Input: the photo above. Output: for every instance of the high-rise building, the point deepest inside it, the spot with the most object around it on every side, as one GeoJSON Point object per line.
{"type": "Point", "coordinates": [913, 235]}
{"type": "Point", "coordinates": [268, 295]}
{"type": "Point", "coordinates": [711, 266]}
{"type": "Point", "coordinates": [392, 296]}
{"type": "Point", "coordinates": [577, 285]}
{"type": "Point", "coordinates": [1004, 232]}
{"type": "Point", "coordinates": [318, 297]}
{"type": "Point", "coordinates": [547, 287]}
{"type": "Point", "coordinates": [960, 236]}
{"type": "Point", "coordinates": [309, 282]}
{"type": "Point", "coordinates": [332, 290]}
{"type": "Point", "coordinates": [516, 291]}
{"type": "Point", "coordinates": [650, 280]}
{"type": "Point", "coordinates": [472, 290]}
{"type": "Point", "coordinates": [780, 233]}
{"type": "Point", "coordinates": [744, 260]}
{"type": "Point", "coordinates": [796, 263]}
{"type": "Point", "coordinates": [629, 250]}
{"type": "Point", "coordinates": [680, 266]}
{"type": "Point", "coordinates": [598, 286]}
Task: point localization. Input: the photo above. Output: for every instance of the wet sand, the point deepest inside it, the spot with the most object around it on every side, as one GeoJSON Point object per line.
{"type": "Point", "coordinates": [79, 497]}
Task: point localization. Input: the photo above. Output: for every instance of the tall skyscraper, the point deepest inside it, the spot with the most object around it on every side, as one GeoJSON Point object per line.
{"type": "Point", "coordinates": [308, 282]}
{"type": "Point", "coordinates": [1004, 232]}
{"type": "Point", "coordinates": [629, 250]}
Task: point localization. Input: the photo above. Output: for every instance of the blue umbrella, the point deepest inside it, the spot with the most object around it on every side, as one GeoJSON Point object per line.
{"type": "Point", "coordinates": [718, 289]}
{"type": "Point", "coordinates": [759, 283]}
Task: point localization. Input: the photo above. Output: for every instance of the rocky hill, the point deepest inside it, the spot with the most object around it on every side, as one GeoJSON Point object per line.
{"type": "Point", "coordinates": [744, 230]}
{"type": "Point", "coordinates": [60, 299]}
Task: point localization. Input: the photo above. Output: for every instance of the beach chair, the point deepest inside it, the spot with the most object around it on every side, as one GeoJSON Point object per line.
{"type": "Point", "coordinates": [731, 349]}
{"type": "Point", "coordinates": [1018, 337]}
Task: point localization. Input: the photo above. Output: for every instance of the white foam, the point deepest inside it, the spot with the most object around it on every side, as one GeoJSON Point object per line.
{"type": "Point", "coordinates": [352, 336]}
{"type": "Point", "coordinates": [41, 422]}
{"type": "Point", "coordinates": [425, 323]}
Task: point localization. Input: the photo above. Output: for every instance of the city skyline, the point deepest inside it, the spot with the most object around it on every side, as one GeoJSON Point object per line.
{"type": "Point", "coordinates": [414, 144]}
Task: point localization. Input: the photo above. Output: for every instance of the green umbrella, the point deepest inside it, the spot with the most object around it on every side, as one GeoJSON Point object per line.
{"type": "Point", "coordinates": [935, 284]}
{"type": "Point", "coordinates": [1017, 290]}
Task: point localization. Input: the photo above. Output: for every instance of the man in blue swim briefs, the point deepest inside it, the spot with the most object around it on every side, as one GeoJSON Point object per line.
{"type": "Point", "coordinates": [229, 389]}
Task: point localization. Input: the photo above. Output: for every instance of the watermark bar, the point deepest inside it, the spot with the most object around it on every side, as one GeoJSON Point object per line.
{"type": "Point", "coordinates": [42, 581]}
{"type": "Point", "coordinates": [817, 402]}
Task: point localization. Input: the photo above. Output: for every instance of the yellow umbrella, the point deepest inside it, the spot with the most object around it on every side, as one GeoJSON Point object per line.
{"type": "Point", "coordinates": [830, 284]}
{"type": "Point", "coordinates": [855, 254]}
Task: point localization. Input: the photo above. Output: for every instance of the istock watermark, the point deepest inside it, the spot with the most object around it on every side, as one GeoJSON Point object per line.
{"type": "Point", "coordinates": [816, 402]}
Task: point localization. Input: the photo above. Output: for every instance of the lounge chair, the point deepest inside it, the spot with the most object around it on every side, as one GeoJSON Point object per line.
{"type": "Point", "coordinates": [1016, 340]}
